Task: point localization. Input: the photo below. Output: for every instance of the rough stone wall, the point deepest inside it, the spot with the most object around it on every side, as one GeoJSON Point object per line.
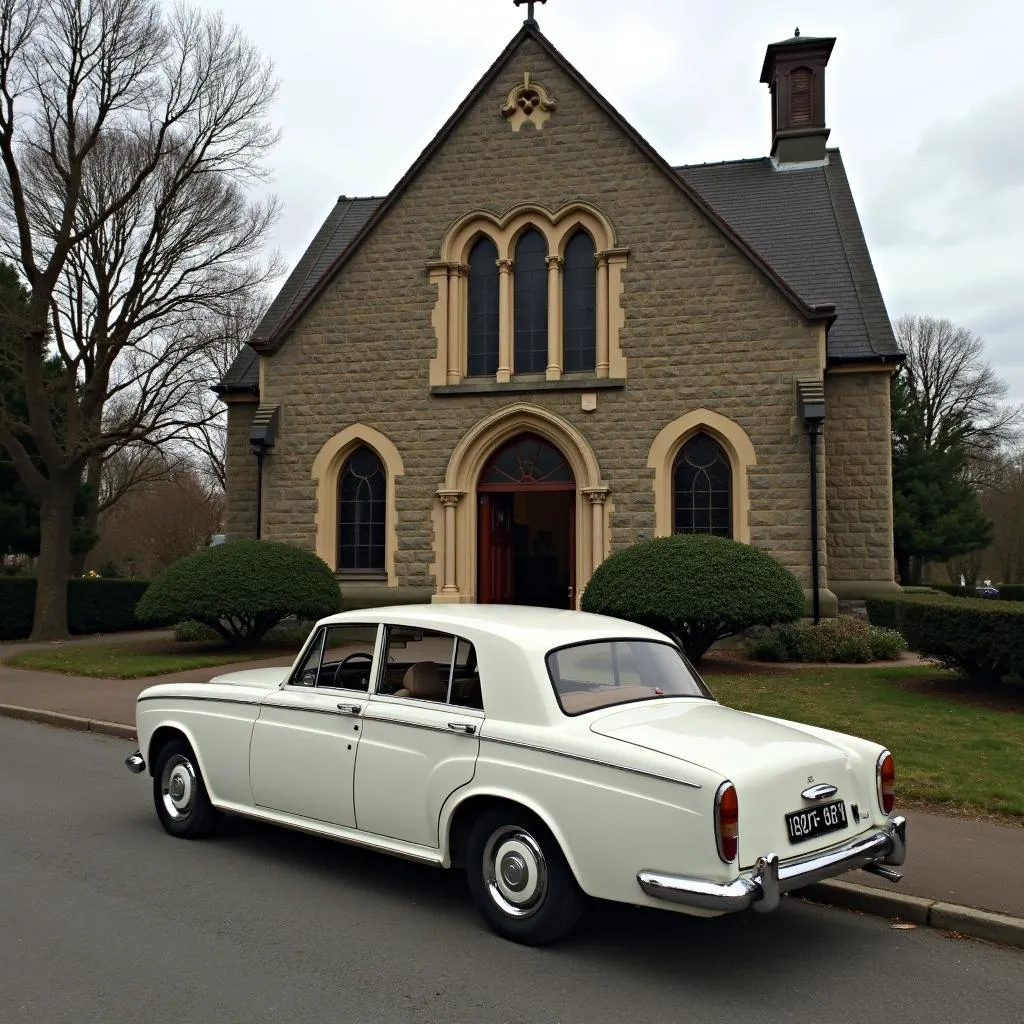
{"type": "Point", "coordinates": [240, 469]}
{"type": "Point", "coordinates": [858, 444]}
{"type": "Point", "coordinates": [703, 328]}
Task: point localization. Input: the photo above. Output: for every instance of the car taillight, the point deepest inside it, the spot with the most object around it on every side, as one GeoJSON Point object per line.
{"type": "Point", "coordinates": [727, 822]}
{"type": "Point", "coordinates": [885, 771]}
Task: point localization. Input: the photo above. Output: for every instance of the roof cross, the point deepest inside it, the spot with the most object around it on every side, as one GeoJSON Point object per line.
{"type": "Point", "coordinates": [530, 19]}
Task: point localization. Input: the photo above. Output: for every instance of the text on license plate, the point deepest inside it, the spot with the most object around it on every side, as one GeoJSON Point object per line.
{"type": "Point", "coordinates": [816, 821]}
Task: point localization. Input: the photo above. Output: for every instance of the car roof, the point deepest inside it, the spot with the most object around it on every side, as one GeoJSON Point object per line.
{"type": "Point", "coordinates": [527, 626]}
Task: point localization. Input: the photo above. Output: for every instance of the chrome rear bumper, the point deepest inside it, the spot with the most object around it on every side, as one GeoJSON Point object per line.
{"type": "Point", "coordinates": [769, 879]}
{"type": "Point", "coordinates": [136, 762]}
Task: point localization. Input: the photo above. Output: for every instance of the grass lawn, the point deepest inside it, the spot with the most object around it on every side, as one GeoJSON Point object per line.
{"type": "Point", "coordinates": [949, 751]}
{"type": "Point", "coordinates": [135, 660]}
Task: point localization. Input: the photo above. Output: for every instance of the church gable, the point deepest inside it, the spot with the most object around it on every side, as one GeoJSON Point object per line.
{"type": "Point", "coordinates": [533, 130]}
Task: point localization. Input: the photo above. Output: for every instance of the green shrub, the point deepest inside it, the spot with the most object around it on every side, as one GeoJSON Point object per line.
{"type": "Point", "coordinates": [94, 605]}
{"type": "Point", "coordinates": [242, 589]}
{"type": "Point", "coordinates": [695, 588]}
{"type": "Point", "coordinates": [846, 639]}
{"type": "Point", "coordinates": [979, 639]}
{"type": "Point", "coordinates": [192, 632]}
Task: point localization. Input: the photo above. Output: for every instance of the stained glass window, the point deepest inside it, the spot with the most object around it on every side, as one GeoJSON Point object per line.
{"type": "Point", "coordinates": [579, 313]}
{"type": "Point", "coordinates": [362, 511]}
{"type": "Point", "coordinates": [482, 358]}
{"type": "Point", "coordinates": [531, 303]}
{"type": "Point", "coordinates": [702, 488]}
{"type": "Point", "coordinates": [528, 460]}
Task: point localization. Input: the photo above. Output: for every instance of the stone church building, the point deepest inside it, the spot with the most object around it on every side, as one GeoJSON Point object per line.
{"type": "Point", "coordinates": [547, 342]}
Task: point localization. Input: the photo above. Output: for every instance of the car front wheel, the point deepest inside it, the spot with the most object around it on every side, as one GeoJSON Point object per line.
{"type": "Point", "coordinates": [182, 803]}
{"type": "Point", "coordinates": [520, 879]}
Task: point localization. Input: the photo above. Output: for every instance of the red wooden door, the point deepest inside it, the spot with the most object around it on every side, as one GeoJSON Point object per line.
{"type": "Point", "coordinates": [497, 549]}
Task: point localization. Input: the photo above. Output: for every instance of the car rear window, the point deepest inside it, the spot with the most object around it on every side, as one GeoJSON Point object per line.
{"type": "Point", "coordinates": [603, 673]}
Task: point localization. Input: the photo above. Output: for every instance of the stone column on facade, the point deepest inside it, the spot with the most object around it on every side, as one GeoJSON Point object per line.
{"type": "Point", "coordinates": [602, 315]}
{"type": "Point", "coordinates": [505, 322]}
{"type": "Point", "coordinates": [455, 304]}
{"type": "Point", "coordinates": [450, 500]}
{"type": "Point", "coordinates": [554, 367]}
{"type": "Point", "coordinates": [597, 497]}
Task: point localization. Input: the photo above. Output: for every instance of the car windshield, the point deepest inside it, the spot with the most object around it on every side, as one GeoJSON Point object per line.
{"type": "Point", "coordinates": [603, 673]}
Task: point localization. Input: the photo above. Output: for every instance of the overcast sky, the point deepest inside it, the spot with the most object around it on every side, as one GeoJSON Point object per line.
{"type": "Point", "coordinates": [924, 97]}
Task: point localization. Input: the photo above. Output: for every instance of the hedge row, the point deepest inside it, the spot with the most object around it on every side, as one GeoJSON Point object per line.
{"type": "Point", "coordinates": [1007, 591]}
{"type": "Point", "coordinates": [94, 606]}
{"type": "Point", "coordinates": [982, 640]}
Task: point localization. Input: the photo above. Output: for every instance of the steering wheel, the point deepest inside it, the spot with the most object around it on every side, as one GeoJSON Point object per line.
{"type": "Point", "coordinates": [344, 661]}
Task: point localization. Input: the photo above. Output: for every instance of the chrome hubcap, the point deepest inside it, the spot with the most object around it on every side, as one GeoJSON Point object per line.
{"type": "Point", "coordinates": [515, 871]}
{"type": "Point", "coordinates": [178, 785]}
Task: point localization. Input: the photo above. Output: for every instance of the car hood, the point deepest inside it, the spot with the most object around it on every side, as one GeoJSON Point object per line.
{"type": "Point", "coordinates": [732, 743]}
{"type": "Point", "coordinates": [258, 678]}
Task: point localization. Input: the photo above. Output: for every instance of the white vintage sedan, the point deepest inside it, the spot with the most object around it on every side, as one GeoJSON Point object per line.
{"type": "Point", "coordinates": [552, 755]}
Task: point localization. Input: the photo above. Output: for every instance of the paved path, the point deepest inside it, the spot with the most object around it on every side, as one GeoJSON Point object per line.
{"type": "Point", "coordinates": [107, 920]}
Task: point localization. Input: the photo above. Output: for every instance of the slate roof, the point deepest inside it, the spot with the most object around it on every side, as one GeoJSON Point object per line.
{"type": "Point", "coordinates": [804, 224]}
{"type": "Point", "coordinates": [799, 226]}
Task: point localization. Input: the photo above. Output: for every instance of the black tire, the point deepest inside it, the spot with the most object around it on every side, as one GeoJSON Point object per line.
{"type": "Point", "coordinates": [179, 793]}
{"type": "Point", "coordinates": [519, 878]}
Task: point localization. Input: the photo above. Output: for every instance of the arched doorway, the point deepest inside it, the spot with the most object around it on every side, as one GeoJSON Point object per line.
{"type": "Point", "coordinates": [526, 530]}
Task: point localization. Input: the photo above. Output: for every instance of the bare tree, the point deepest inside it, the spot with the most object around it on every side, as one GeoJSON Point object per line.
{"type": "Point", "coordinates": [204, 442]}
{"type": "Point", "coordinates": [128, 137]}
{"type": "Point", "coordinates": [961, 400]}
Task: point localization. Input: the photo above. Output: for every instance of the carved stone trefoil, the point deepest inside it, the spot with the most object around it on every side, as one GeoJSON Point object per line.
{"type": "Point", "coordinates": [528, 101]}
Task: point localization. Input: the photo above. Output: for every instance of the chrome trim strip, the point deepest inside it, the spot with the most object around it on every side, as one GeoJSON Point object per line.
{"type": "Point", "coordinates": [216, 700]}
{"type": "Point", "coordinates": [822, 791]}
{"type": "Point", "coordinates": [410, 725]}
{"type": "Point", "coordinates": [591, 760]}
{"type": "Point", "coordinates": [364, 839]}
{"type": "Point", "coordinates": [770, 878]}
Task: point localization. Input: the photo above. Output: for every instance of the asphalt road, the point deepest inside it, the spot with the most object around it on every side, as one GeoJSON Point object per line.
{"type": "Point", "coordinates": [105, 918]}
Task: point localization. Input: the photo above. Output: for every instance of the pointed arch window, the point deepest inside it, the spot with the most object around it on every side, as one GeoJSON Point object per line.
{"type": "Point", "coordinates": [531, 303]}
{"type": "Point", "coordinates": [702, 488]}
{"type": "Point", "coordinates": [482, 347]}
{"type": "Point", "coordinates": [362, 512]}
{"type": "Point", "coordinates": [579, 305]}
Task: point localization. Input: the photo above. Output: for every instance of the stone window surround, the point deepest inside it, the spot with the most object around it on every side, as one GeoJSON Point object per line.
{"type": "Point", "coordinates": [454, 514]}
{"type": "Point", "coordinates": [327, 468]}
{"type": "Point", "coordinates": [450, 275]}
{"type": "Point", "coordinates": [662, 458]}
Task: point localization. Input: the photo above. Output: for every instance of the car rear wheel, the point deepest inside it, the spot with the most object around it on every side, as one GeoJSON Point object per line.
{"type": "Point", "coordinates": [182, 803]}
{"type": "Point", "coordinates": [520, 879]}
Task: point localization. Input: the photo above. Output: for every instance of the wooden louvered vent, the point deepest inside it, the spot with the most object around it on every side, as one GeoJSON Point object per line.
{"type": "Point", "coordinates": [801, 104]}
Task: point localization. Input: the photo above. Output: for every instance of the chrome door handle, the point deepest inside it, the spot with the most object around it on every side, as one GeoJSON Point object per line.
{"type": "Point", "coordinates": [462, 727]}
{"type": "Point", "coordinates": [350, 709]}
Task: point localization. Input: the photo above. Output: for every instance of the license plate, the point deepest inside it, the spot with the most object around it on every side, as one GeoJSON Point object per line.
{"type": "Point", "coordinates": [812, 822]}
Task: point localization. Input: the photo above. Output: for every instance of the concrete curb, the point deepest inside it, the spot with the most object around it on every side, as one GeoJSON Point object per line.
{"type": "Point", "coordinates": [978, 924]}
{"type": "Point", "coordinates": [76, 722]}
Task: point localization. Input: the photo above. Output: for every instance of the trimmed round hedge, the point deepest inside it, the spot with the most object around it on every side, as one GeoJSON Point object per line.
{"type": "Point", "coordinates": [242, 589]}
{"type": "Point", "coordinates": [695, 588]}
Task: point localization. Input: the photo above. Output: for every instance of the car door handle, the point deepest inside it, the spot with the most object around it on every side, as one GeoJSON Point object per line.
{"type": "Point", "coordinates": [462, 727]}
{"type": "Point", "coordinates": [350, 709]}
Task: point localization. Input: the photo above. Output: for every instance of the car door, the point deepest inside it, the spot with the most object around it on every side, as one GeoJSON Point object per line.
{"type": "Point", "coordinates": [420, 734]}
{"type": "Point", "coordinates": [303, 750]}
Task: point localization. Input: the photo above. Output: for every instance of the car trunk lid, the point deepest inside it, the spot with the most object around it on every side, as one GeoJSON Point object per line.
{"type": "Point", "coordinates": [770, 763]}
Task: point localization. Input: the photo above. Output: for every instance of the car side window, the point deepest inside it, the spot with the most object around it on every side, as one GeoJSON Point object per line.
{"type": "Point", "coordinates": [341, 658]}
{"type": "Point", "coordinates": [348, 657]}
{"type": "Point", "coordinates": [425, 664]}
{"type": "Point", "coordinates": [306, 673]}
